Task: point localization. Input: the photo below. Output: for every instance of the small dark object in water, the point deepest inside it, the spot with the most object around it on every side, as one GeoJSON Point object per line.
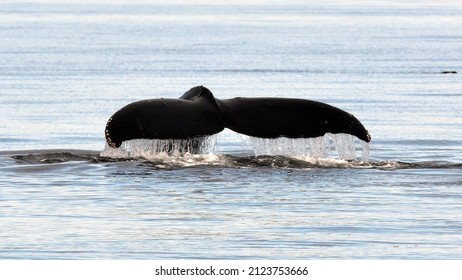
{"type": "Point", "coordinates": [448, 72]}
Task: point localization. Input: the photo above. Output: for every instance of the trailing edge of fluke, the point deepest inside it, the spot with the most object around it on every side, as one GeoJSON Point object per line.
{"type": "Point", "coordinates": [198, 113]}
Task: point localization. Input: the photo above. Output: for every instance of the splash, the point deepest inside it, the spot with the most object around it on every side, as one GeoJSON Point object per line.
{"type": "Point", "coordinates": [342, 146]}
{"type": "Point", "coordinates": [160, 148]}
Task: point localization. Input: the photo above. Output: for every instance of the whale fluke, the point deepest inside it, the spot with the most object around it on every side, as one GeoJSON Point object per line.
{"type": "Point", "coordinates": [197, 113]}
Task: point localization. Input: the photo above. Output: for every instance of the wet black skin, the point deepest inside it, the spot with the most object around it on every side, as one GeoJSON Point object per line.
{"type": "Point", "coordinates": [197, 113]}
{"type": "Point", "coordinates": [286, 117]}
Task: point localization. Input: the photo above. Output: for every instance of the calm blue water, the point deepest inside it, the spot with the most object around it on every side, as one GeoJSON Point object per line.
{"type": "Point", "coordinates": [66, 68]}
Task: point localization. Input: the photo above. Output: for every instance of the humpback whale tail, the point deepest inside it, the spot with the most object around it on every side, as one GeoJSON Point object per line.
{"type": "Point", "coordinates": [197, 113]}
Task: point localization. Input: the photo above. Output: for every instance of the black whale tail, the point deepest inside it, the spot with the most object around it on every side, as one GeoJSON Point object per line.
{"type": "Point", "coordinates": [198, 113]}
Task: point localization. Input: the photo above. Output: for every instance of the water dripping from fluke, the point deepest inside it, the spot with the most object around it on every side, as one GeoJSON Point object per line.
{"type": "Point", "coordinates": [149, 148]}
{"type": "Point", "coordinates": [330, 146]}
{"type": "Point", "coordinates": [330, 150]}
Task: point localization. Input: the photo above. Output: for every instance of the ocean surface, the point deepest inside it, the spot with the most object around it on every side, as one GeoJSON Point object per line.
{"type": "Point", "coordinates": [66, 67]}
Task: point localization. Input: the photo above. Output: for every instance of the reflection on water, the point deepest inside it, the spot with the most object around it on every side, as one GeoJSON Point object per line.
{"type": "Point", "coordinates": [133, 209]}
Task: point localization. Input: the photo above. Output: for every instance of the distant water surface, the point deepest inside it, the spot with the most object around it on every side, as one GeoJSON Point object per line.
{"type": "Point", "coordinates": [66, 68]}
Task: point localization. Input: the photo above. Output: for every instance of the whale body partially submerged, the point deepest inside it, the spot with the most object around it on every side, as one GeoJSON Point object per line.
{"type": "Point", "coordinates": [197, 113]}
